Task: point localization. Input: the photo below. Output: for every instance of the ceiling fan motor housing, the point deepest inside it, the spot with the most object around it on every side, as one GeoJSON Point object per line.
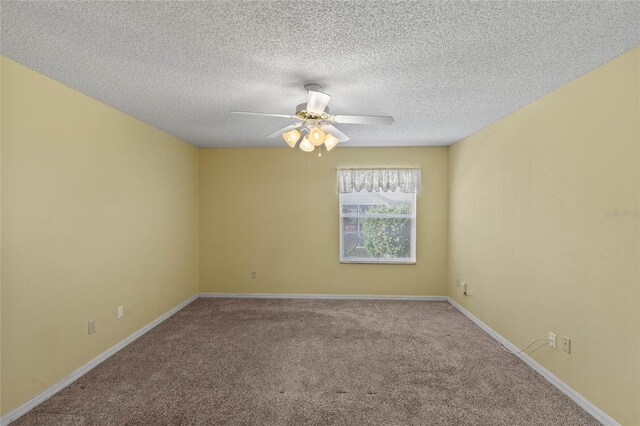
{"type": "Point", "coordinates": [303, 114]}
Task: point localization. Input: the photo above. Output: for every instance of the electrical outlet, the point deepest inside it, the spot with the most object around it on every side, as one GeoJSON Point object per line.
{"type": "Point", "coordinates": [92, 326]}
{"type": "Point", "coordinates": [552, 340]}
{"type": "Point", "coordinates": [566, 344]}
{"type": "Point", "coordinates": [253, 275]}
{"type": "Point", "coordinates": [463, 287]}
{"type": "Point", "coordinates": [120, 311]}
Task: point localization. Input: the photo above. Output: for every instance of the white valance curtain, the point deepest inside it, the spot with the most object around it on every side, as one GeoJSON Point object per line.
{"type": "Point", "coordinates": [379, 180]}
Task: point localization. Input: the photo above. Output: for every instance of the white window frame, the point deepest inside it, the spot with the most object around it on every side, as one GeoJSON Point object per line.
{"type": "Point", "coordinates": [396, 261]}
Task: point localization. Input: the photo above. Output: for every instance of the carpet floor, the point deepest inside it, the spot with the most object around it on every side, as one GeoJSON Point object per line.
{"type": "Point", "coordinates": [315, 362]}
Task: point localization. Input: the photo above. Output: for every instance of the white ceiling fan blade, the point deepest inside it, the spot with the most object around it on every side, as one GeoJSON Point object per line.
{"type": "Point", "coordinates": [335, 132]}
{"type": "Point", "coordinates": [317, 101]}
{"type": "Point", "coordinates": [363, 119]}
{"type": "Point", "coordinates": [263, 113]}
{"type": "Point", "coordinates": [284, 129]}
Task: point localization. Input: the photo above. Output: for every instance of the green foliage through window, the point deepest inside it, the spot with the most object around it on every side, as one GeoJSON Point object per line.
{"type": "Point", "coordinates": [388, 237]}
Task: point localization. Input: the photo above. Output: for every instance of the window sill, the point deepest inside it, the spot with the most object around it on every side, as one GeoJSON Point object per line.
{"type": "Point", "coordinates": [375, 262]}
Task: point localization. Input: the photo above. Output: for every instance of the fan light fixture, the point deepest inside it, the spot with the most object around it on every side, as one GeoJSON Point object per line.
{"type": "Point", "coordinates": [314, 137]}
{"type": "Point", "coordinates": [315, 125]}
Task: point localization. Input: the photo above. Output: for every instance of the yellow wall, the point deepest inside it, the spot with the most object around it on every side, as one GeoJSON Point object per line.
{"type": "Point", "coordinates": [275, 211]}
{"type": "Point", "coordinates": [98, 210]}
{"type": "Point", "coordinates": [529, 230]}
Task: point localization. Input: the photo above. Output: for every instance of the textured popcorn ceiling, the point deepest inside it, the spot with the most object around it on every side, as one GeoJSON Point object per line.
{"type": "Point", "coordinates": [443, 70]}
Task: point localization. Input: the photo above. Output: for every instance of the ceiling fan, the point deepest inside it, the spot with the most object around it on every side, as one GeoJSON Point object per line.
{"type": "Point", "coordinates": [315, 126]}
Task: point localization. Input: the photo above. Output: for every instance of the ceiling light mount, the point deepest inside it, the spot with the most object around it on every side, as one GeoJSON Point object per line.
{"type": "Point", "coordinates": [313, 87]}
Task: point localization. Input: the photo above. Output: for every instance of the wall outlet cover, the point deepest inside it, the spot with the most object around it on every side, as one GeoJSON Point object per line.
{"type": "Point", "coordinates": [120, 311]}
{"type": "Point", "coordinates": [91, 326]}
{"type": "Point", "coordinates": [552, 340]}
{"type": "Point", "coordinates": [566, 344]}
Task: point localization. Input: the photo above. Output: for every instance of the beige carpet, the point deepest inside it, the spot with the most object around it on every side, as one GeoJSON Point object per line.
{"type": "Point", "coordinates": [324, 362]}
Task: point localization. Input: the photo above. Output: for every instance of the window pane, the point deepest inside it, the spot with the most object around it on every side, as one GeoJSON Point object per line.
{"type": "Point", "coordinates": [361, 202]}
{"type": "Point", "coordinates": [377, 227]}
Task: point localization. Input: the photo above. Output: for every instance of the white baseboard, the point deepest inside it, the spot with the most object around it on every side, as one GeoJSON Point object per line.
{"type": "Point", "coordinates": [586, 405]}
{"type": "Point", "coordinates": [66, 381]}
{"type": "Point", "coordinates": [318, 296]}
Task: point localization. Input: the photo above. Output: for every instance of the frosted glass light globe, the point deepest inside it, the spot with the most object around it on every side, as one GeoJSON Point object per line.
{"type": "Point", "coordinates": [291, 137]}
{"type": "Point", "coordinates": [306, 146]}
{"type": "Point", "coordinates": [316, 136]}
{"type": "Point", "coordinates": [330, 141]}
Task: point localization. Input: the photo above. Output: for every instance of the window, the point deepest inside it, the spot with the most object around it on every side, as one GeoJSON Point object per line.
{"type": "Point", "coordinates": [378, 215]}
